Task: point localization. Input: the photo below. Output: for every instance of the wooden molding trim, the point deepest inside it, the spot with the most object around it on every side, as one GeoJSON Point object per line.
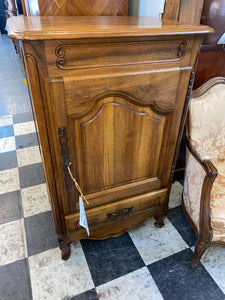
{"type": "Point", "coordinates": [206, 86]}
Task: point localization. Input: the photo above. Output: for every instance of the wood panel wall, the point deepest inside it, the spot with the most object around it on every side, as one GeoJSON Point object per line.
{"type": "Point", "coordinates": [75, 7]}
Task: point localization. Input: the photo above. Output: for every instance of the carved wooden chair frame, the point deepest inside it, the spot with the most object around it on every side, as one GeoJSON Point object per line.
{"type": "Point", "coordinates": [204, 237]}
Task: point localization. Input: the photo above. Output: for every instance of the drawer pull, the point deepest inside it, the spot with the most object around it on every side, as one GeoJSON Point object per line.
{"type": "Point", "coordinates": [120, 214]}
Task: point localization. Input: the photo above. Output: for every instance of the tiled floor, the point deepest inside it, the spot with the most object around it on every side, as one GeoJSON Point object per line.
{"type": "Point", "coordinates": [146, 263]}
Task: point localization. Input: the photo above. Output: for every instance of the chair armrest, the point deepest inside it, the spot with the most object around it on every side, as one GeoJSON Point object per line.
{"type": "Point", "coordinates": [207, 165]}
{"type": "Point", "coordinates": [210, 175]}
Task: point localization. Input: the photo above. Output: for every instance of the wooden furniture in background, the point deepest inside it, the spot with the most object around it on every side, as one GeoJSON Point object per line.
{"type": "Point", "coordinates": [109, 95]}
{"type": "Point", "coordinates": [75, 7]}
{"type": "Point", "coordinates": [11, 9]}
{"type": "Point", "coordinates": [212, 56]}
{"type": "Point", "coordinates": [183, 11]}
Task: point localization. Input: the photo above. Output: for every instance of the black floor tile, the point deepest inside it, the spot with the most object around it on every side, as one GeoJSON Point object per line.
{"type": "Point", "coordinates": [177, 280]}
{"type": "Point", "coordinates": [10, 207]}
{"type": "Point", "coordinates": [89, 295]}
{"type": "Point", "coordinates": [26, 140]}
{"type": "Point", "coordinates": [179, 221]}
{"type": "Point", "coordinates": [181, 181]}
{"type": "Point", "coordinates": [6, 131]}
{"type": "Point", "coordinates": [31, 175]}
{"type": "Point", "coordinates": [40, 233]}
{"type": "Point", "coordinates": [8, 160]}
{"type": "Point", "coordinates": [111, 258]}
{"type": "Point", "coordinates": [23, 117]}
{"type": "Point", "coordinates": [15, 281]}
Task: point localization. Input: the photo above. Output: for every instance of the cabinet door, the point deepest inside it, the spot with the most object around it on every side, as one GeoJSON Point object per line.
{"type": "Point", "coordinates": [120, 131]}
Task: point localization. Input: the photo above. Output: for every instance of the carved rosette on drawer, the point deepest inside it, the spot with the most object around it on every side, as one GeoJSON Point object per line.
{"type": "Point", "coordinates": [92, 55]}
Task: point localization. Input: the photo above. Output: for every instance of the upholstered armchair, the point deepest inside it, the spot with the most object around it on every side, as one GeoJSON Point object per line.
{"type": "Point", "coordinates": [204, 184]}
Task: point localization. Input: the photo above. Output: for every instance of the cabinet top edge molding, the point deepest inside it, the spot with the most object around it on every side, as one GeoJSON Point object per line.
{"type": "Point", "coordinates": [49, 28]}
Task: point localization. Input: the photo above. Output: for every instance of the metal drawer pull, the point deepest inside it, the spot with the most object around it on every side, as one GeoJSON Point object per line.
{"type": "Point", "coordinates": [120, 214]}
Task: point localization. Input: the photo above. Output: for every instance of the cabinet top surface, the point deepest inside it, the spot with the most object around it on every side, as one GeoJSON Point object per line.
{"type": "Point", "coordinates": [48, 28]}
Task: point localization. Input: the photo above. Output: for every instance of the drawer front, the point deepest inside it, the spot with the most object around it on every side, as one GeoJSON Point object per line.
{"type": "Point", "coordinates": [117, 212]}
{"type": "Point", "coordinates": [69, 55]}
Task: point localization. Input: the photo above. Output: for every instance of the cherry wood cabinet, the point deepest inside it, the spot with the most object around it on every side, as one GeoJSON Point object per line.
{"type": "Point", "coordinates": [109, 96]}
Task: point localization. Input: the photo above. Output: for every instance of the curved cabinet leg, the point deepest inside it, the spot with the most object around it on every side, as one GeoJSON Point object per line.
{"type": "Point", "coordinates": [200, 248]}
{"type": "Point", "coordinates": [159, 221]}
{"type": "Point", "coordinates": [65, 252]}
{"type": "Point", "coordinates": [65, 248]}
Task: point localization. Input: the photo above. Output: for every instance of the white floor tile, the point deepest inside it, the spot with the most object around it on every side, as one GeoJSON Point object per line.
{"type": "Point", "coordinates": [35, 200]}
{"type": "Point", "coordinates": [156, 243]}
{"type": "Point", "coordinates": [9, 181]}
{"type": "Point", "coordinates": [175, 194]}
{"type": "Point", "coordinates": [13, 242]}
{"type": "Point", "coordinates": [137, 285]}
{"type": "Point", "coordinates": [214, 262]}
{"type": "Point", "coordinates": [24, 128]}
{"type": "Point", "coordinates": [7, 144]}
{"type": "Point", "coordinates": [6, 120]}
{"type": "Point", "coordinates": [28, 156]}
{"type": "Point", "coordinates": [70, 278]}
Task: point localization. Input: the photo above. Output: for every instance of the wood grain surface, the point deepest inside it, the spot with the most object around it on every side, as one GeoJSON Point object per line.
{"type": "Point", "coordinates": [48, 28]}
{"type": "Point", "coordinates": [75, 7]}
{"type": "Point", "coordinates": [184, 11]}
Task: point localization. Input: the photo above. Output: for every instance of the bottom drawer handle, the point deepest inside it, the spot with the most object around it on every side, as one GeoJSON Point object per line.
{"type": "Point", "coordinates": [120, 214]}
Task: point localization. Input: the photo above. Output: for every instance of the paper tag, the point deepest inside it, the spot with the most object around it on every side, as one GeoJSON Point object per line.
{"type": "Point", "coordinates": [83, 219]}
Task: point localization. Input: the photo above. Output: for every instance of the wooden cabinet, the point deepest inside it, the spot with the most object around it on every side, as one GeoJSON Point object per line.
{"type": "Point", "coordinates": [108, 95]}
{"type": "Point", "coordinates": [212, 56]}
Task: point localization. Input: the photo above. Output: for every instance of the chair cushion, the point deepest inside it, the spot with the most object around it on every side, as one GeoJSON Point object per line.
{"type": "Point", "coordinates": [217, 200]}
{"type": "Point", "coordinates": [207, 123]}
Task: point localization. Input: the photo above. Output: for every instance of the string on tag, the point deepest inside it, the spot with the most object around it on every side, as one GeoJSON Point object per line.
{"type": "Point", "coordinates": [76, 183]}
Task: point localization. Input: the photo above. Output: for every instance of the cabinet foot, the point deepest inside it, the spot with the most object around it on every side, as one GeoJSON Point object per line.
{"type": "Point", "coordinates": [65, 252]}
{"type": "Point", "coordinates": [65, 247]}
{"type": "Point", "coordinates": [159, 221]}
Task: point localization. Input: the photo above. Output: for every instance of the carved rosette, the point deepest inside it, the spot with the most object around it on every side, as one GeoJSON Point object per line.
{"type": "Point", "coordinates": [61, 57]}
{"type": "Point", "coordinates": [181, 49]}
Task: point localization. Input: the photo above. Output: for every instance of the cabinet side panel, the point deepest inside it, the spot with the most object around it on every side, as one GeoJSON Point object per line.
{"type": "Point", "coordinates": [38, 111]}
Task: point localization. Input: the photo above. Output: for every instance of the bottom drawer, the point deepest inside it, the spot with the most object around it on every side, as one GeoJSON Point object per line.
{"type": "Point", "coordinates": [113, 216]}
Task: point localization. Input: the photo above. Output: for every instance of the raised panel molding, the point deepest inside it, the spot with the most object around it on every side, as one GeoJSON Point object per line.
{"type": "Point", "coordinates": [112, 135]}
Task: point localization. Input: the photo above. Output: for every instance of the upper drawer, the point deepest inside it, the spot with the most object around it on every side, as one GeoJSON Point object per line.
{"type": "Point", "coordinates": [70, 55]}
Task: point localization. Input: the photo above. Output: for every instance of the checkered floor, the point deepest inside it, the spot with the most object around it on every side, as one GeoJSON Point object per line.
{"type": "Point", "coordinates": [146, 263]}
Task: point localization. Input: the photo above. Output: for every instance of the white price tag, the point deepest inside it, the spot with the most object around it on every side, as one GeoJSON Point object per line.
{"type": "Point", "coordinates": [83, 218]}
